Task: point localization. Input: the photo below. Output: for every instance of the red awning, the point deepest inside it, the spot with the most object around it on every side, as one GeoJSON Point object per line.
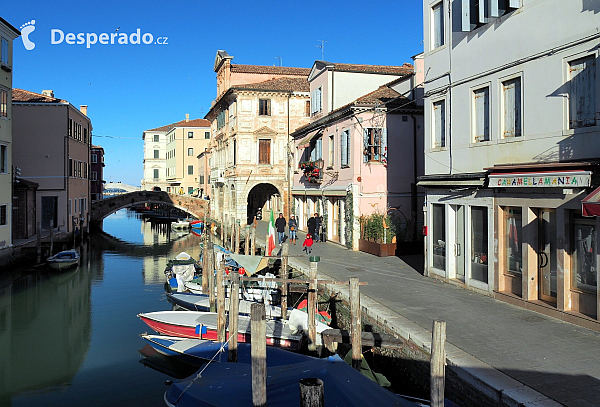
{"type": "Point", "coordinates": [590, 205]}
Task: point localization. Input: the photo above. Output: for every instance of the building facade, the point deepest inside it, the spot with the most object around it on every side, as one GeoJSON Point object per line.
{"type": "Point", "coordinates": [204, 175]}
{"type": "Point", "coordinates": [511, 149]}
{"type": "Point", "coordinates": [361, 153]}
{"type": "Point", "coordinates": [97, 173]}
{"type": "Point", "coordinates": [8, 33]}
{"type": "Point", "coordinates": [155, 159]}
{"type": "Point", "coordinates": [256, 109]}
{"type": "Point", "coordinates": [185, 140]}
{"type": "Point", "coordinates": [59, 161]}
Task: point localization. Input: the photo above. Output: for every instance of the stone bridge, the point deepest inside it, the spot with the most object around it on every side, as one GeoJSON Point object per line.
{"type": "Point", "coordinates": [102, 208]}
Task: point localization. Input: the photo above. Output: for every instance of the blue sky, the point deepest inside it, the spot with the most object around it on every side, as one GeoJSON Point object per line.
{"type": "Point", "coordinates": [131, 88]}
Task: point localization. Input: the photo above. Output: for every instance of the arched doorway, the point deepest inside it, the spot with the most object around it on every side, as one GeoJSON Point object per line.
{"type": "Point", "coordinates": [259, 196]}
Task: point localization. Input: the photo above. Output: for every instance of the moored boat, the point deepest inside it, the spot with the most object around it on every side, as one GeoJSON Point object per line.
{"type": "Point", "coordinates": [64, 260]}
{"type": "Point", "coordinates": [180, 225]}
{"type": "Point", "coordinates": [201, 302]}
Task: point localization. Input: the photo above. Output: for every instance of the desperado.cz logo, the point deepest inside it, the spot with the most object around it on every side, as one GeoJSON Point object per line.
{"type": "Point", "coordinates": [57, 36]}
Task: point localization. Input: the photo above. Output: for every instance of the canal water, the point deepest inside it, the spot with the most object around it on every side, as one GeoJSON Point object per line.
{"type": "Point", "coordinates": [72, 338]}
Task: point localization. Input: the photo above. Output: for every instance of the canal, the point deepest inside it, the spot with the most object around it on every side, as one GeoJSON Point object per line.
{"type": "Point", "coordinates": [72, 338]}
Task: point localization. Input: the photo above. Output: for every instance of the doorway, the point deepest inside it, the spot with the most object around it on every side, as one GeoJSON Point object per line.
{"type": "Point", "coordinates": [547, 256]}
{"type": "Point", "coordinates": [459, 243]}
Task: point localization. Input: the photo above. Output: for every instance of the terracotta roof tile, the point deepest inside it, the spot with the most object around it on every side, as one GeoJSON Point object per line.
{"type": "Point", "coordinates": [273, 70]}
{"type": "Point", "coordinates": [384, 69]}
{"type": "Point", "coordinates": [279, 84]}
{"type": "Point", "coordinates": [183, 123]}
{"type": "Point", "coordinates": [20, 95]}
{"type": "Point", "coordinates": [381, 96]}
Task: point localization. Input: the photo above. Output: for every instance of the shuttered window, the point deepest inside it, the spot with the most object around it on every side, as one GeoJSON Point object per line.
{"type": "Point", "coordinates": [264, 151]}
{"type": "Point", "coordinates": [264, 107]}
{"type": "Point", "coordinates": [3, 103]}
{"type": "Point", "coordinates": [482, 114]}
{"type": "Point", "coordinates": [331, 151]}
{"type": "Point", "coordinates": [155, 173]}
{"type": "Point", "coordinates": [375, 145]}
{"type": "Point", "coordinates": [437, 25]}
{"type": "Point", "coordinates": [511, 90]}
{"type": "Point", "coordinates": [345, 148]}
{"type": "Point", "coordinates": [316, 101]}
{"type": "Point", "coordinates": [439, 124]}
{"type": "Point", "coordinates": [582, 93]}
{"type": "Point", "coordinates": [316, 151]}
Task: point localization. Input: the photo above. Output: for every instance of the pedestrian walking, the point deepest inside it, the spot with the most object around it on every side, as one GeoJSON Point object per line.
{"type": "Point", "coordinates": [318, 223]}
{"type": "Point", "coordinates": [311, 224]}
{"type": "Point", "coordinates": [293, 225]}
{"type": "Point", "coordinates": [308, 242]}
{"type": "Point", "coordinates": [280, 226]}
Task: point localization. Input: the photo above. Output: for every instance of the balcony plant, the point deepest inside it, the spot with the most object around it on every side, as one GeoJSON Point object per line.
{"type": "Point", "coordinates": [312, 171]}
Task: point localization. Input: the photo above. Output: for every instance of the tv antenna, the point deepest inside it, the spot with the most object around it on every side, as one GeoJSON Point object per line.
{"type": "Point", "coordinates": [280, 60]}
{"type": "Point", "coordinates": [322, 46]}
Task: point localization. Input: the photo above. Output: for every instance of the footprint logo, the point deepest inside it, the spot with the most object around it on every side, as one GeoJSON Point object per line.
{"type": "Point", "coordinates": [27, 29]}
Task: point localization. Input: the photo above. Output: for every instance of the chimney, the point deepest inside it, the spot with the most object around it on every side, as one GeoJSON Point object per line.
{"type": "Point", "coordinates": [187, 117]}
{"type": "Point", "coordinates": [48, 93]}
{"type": "Point", "coordinates": [83, 109]}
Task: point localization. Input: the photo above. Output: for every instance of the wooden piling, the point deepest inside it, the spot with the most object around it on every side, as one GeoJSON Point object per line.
{"type": "Point", "coordinates": [237, 237]}
{"type": "Point", "coordinates": [220, 303]}
{"type": "Point", "coordinates": [253, 240]}
{"type": "Point", "coordinates": [232, 234]}
{"type": "Point", "coordinates": [247, 241]}
{"type": "Point", "coordinates": [211, 280]}
{"type": "Point", "coordinates": [258, 353]}
{"type": "Point", "coordinates": [234, 312]}
{"type": "Point", "coordinates": [283, 273]}
{"type": "Point", "coordinates": [355, 327]}
{"type": "Point", "coordinates": [205, 259]}
{"type": "Point", "coordinates": [312, 304]}
{"type": "Point", "coordinates": [437, 363]}
{"type": "Point", "coordinates": [312, 393]}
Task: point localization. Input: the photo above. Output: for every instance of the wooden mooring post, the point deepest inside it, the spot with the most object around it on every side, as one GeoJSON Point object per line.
{"type": "Point", "coordinates": [39, 242]}
{"type": "Point", "coordinates": [234, 313]}
{"type": "Point", "coordinates": [283, 273]}
{"type": "Point", "coordinates": [205, 260]}
{"type": "Point", "coordinates": [211, 281]}
{"type": "Point", "coordinates": [356, 324]}
{"type": "Point", "coordinates": [247, 241]}
{"type": "Point", "coordinates": [253, 240]}
{"type": "Point", "coordinates": [222, 227]}
{"type": "Point", "coordinates": [312, 302]}
{"type": "Point", "coordinates": [237, 237]}
{"type": "Point", "coordinates": [258, 352]}
{"type": "Point", "coordinates": [437, 363]}
{"type": "Point", "coordinates": [232, 234]}
{"type": "Point", "coordinates": [312, 393]}
{"type": "Point", "coordinates": [220, 303]}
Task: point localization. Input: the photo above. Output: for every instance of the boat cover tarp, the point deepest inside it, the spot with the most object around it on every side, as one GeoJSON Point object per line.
{"type": "Point", "coordinates": [251, 264]}
{"type": "Point", "coordinates": [230, 384]}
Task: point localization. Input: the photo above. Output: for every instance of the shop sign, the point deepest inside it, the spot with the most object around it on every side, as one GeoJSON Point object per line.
{"type": "Point", "coordinates": [579, 179]}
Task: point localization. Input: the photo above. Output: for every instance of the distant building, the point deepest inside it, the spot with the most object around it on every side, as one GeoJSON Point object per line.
{"type": "Point", "coordinates": [155, 158]}
{"type": "Point", "coordinates": [204, 174]}
{"type": "Point", "coordinates": [184, 140]}
{"type": "Point", "coordinates": [256, 109]}
{"type": "Point", "coordinates": [96, 173]}
{"type": "Point", "coordinates": [8, 33]}
{"type": "Point", "coordinates": [58, 161]}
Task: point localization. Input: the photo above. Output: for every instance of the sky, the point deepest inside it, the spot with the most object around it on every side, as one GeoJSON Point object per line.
{"type": "Point", "coordinates": [130, 88]}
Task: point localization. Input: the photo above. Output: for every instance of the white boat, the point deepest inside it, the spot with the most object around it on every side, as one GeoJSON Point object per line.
{"type": "Point", "coordinates": [180, 224]}
{"type": "Point", "coordinates": [63, 260]}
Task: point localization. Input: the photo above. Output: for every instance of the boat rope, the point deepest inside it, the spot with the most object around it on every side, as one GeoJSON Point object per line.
{"type": "Point", "coordinates": [199, 374]}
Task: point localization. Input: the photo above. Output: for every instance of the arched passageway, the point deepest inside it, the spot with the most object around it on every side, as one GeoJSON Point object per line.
{"type": "Point", "coordinates": [261, 195]}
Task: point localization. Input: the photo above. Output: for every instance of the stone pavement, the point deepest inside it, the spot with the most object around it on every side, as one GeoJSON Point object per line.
{"type": "Point", "coordinates": [517, 355]}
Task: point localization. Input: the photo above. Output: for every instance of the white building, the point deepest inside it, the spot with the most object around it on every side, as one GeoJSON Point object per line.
{"type": "Point", "coordinates": [155, 163]}
{"type": "Point", "coordinates": [512, 128]}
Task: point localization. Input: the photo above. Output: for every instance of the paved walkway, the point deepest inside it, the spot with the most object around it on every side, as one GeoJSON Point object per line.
{"type": "Point", "coordinates": [527, 350]}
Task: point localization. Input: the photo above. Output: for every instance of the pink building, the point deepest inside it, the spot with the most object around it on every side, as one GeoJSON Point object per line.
{"type": "Point", "coordinates": [97, 173]}
{"type": "Point", "coordinates": [362, 151]}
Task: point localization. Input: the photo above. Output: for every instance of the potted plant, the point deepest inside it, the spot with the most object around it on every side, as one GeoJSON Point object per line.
{"type": "Point", "coordinates": [377, 235]}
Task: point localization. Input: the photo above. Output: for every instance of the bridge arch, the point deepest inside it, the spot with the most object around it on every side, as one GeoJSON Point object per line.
{"type": "Point", "coordinates": [105, 207]}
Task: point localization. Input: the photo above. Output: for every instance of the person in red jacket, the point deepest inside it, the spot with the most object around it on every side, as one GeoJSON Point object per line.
{"type": "Point", "coordinates": [308, 242]}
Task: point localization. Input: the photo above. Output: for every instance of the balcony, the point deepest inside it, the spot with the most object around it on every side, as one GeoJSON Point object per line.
{"type": "Point", "coordinates": [313, 171]}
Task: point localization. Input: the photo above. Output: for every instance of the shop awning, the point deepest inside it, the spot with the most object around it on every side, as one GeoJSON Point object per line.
{"type": "Point", "coordinates": [590, 205]}
{"type": "Point", "coordinates": [477, 182]}
{"type": "Point", "coordinates": [305, 142]}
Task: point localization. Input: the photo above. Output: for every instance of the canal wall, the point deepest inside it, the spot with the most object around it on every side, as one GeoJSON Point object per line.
{"type": "Point", "coordinates": [24, 251]}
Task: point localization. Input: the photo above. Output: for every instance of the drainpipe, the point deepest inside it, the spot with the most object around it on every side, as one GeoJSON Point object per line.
{"type": "Point", "coordinates": [289, 161]}
{"type": "Point", "coordinates": [413, 185]}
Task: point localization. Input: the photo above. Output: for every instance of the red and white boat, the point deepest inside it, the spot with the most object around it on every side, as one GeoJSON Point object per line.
{"type": "Point", "coordinates": [203, 325]}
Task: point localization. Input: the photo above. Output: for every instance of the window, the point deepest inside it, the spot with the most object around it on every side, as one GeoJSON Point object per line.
{"type": "Point", "coordinates": [439, 236]}
{"type": "Point", "coordinates": [375, 144]}
{"type": "Point", "coordinates": [582, 93]}
{"type": "Point", "coordinates": [201, 179]}
{"type": "Point", "coordinates": [513, 238]}
{"type": "Point", "coordinates": [316, 151]}
{"type": "Point", "coordinates": [190, 151]}
{"type": "Point", "coordinates": [307, 109]}
{"type": "Point", "coordinates": [94, 176]}
{"type": "Point", "coordinates": [220, 120]}
{"type": "Point", "coordinates": [264, 107]}
{"type": "Point", "coordinates": [169, 189]}
{"type": "Point", "coordinates": [190, 134]}
{"type": "Point", "coordinates": [345, 148]}
{"type": "Point", "coordinates": [155, 173]}
{"type": "Point", "coordinates": [190, 190]}
{"type": "Point", "coordinates": [234, 147]}
{"type": "Point", "coordinates": [94, 158]}
{"type": "Point", "coordinates": [207, 135]}
{"type": "Point", "coordinates": [156, 153]}
{"type": "Point", "coordinates": [583, 259]}
{"type": "Point", "coordinates": [316, 102]}
{"type": "Point", "coordinates": [3, 103]}
{"type": "Point", "coordinates": [3, 159]}
{"type": "Point", "coordinates": [70, 167]}
{"type": "Point", "coordinates": [439, 124]}
{"type": "Point", "coordinates": [70, 127]}
{"type": "Point", "coordinates": [481, 119]}
{"type": "Point", "coordinates": [85, 135]}
{"type": "Point", "coordinates": [156, 138]}
{"type": "Point", "coordinates": [511, 93]}
{"type": "Point", "coordinates": [2, 214]}
{"type": "Point", "coordinates": [4, 52]}
{"type": "Point", "coordinates": [264, 151]}
{"type": "Point", "coordinates": [331, 151]}
{"type": "Point", "coordinates": [190, 170]}
{"type": "Point", "coordinates": [437, 24]}
{"type": "Point", "coordinates": [69, 207]}
{"type": "Point", "coordinates": [479, 244]}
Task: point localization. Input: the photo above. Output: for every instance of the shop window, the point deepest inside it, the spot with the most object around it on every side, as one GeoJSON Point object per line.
{"type": "Point", "coordinates": [479, 244]}
{"type": "Point", "coordinates": [583, 260]}
{"type": "Point", "coordinates": [439, 236]}
{"type": "Point", "coordinates": [513, 238]}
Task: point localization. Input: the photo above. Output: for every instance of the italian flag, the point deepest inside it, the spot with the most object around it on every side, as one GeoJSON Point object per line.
{"type": "Point", "coordinates": [271, 242]}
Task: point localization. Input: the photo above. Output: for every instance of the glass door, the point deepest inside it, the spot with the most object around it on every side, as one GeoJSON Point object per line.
{"type": "Point", "coordinates": [547, 255]}
{"type": "Point", "coordinates": [459, 245]}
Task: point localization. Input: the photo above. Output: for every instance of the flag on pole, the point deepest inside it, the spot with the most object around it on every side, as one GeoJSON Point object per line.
{"type": "Point", "coordinates": [271, 242]}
